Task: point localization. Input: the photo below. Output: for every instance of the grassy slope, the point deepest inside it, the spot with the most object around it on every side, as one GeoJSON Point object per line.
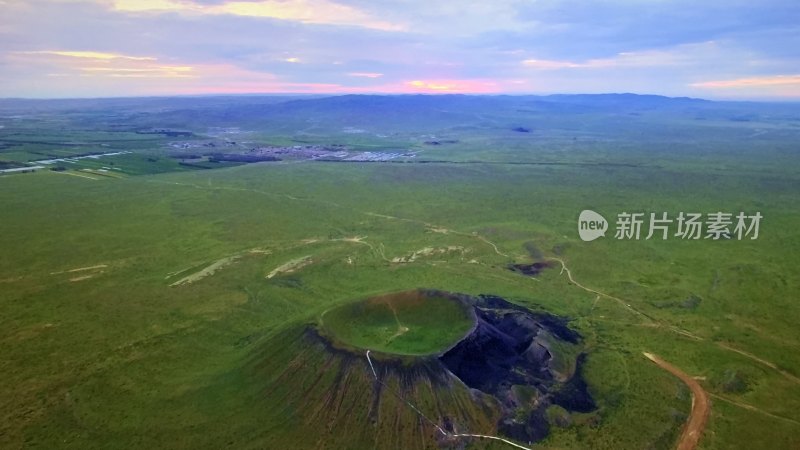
{"type": "Point", "coordinates": [330, 399]}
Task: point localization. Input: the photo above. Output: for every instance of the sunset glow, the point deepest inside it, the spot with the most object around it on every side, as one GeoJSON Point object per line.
{"type": "Point", "coordinates": [453, 86]}
{"type": "Point", "coordinates": [138, 47]}
{"type": "Point", "coordinates": [779, 80]}
{"type": "Point", "coordinates": [88, 55]}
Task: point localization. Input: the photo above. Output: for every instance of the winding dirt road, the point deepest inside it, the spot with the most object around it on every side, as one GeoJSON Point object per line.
{"type": "Point", "coordinates": [701, 405]}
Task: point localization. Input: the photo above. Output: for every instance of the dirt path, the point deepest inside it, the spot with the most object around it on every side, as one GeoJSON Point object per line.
{"type": "Point", "coordinates": [622, 302]}
{"type": "Point", "coordinates": [753, 408]}
{"type": "Point", "coordinates": [755, 358]}
{"type": "Point", "coordinates": [701, 405]}
{"type": "Point", "coordinates": [625, 304]}
{"type": "Point", "coordinates": [401, 329]}
{"type": "Point", "coordinates": [656, 323]}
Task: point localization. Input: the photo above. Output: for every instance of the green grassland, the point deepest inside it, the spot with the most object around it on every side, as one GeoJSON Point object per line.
{"type": "Point", "coordinates": [98, 350]}
{"type": "Point", "coordinates": [404, 324]}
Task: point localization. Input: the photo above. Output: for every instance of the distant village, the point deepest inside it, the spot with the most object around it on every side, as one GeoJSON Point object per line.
{"type": "Point", "coordinates": [233, 151]}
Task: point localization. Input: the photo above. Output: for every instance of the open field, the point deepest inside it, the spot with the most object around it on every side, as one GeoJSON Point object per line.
{"type": "Point", "coordinates": [102, 345]}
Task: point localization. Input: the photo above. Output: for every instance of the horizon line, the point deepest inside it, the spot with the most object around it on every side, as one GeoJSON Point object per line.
{"type": "Point", "coordinates": [405, 94]}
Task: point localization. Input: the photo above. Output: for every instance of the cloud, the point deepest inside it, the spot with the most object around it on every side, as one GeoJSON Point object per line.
{"type": "Point", "coordinates": [775, 80]}
{"type": "Point", "coordinates": [74, 78]}
{"type": "Point", "coordinates": [85, 54]}
{"type": "Point", "coordinates": [773, 87]}
{"type": "Point", "coordinates": [681, 55]}
{"type": "Point", "coordinates": [452, 86]}
{"type": "Point", "coordinates": [550, 64]}
{"type": "Point", "coordinates": [452, 18]}
{"type": "Point", "coordinates": [154, 71]}
{"type": "Point", "coordinates": [131, 47]}
{"type": "Point", "coordinates": [303, 11]}
{"type": "Point", "coordinates": [76, 63]}
{"type": "Point", "coordinates": [365, 74]}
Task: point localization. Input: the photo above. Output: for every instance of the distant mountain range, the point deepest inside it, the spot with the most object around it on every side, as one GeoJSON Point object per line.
{"type": "Point", "coordinates": [395, 113]}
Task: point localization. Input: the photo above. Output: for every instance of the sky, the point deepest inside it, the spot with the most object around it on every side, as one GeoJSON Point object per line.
{"type": "Point", "coordinates": [718, 49]}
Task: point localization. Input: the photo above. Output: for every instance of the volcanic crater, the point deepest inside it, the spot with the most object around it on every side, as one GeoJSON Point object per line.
{"type": "Point", "coordinates": [514, 362]}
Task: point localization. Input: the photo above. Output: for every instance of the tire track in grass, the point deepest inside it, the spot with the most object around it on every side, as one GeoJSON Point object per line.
{"type": "Point", "coordinates": [622, 302]}
{"type": "Point", "coordinates": [764, 362]}
{"type": "Point", "coordinates": [675, 329]}
{"type": "Point", "coordinates": [753, 408]}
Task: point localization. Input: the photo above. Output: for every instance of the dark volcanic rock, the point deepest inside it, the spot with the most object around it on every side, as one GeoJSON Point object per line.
{"type": "Point", "coordinates": [534, 428]}
{"type": "Point", "coordinates": [574, 395]}
{"type": "Point", "coordinates": [483, 359]}
{"type": "Point", "coordinates": [509, 349]}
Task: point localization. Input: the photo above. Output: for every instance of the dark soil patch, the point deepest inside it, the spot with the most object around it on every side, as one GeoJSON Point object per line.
{"type": "Point", "coordinates": [530, 270]}
{"type": "Point", "coordinates": [442, 141]}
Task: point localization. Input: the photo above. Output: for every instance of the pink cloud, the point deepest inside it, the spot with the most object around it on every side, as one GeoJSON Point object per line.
{"type": "Point", "coordinates": [466, 86]}
{"type": "Point", "coordinates": [775, 80]}
{"type": "Point", "coordinates": [98, 74]}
